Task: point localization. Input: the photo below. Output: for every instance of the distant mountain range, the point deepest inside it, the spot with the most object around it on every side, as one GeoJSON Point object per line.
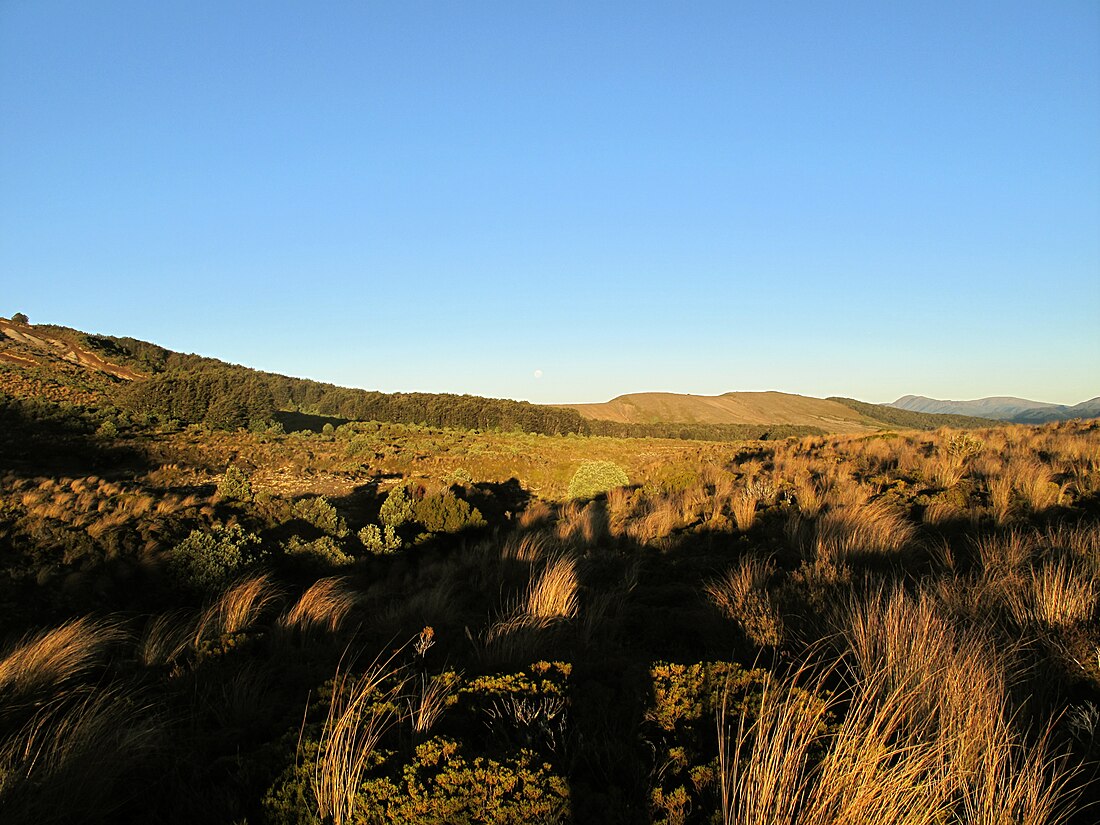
{"type": "Point", "coordinates": [1001, 408]}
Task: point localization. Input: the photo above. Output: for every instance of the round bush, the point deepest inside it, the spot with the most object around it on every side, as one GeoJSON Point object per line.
{"type": "Point", "coordinates": [595, 477]}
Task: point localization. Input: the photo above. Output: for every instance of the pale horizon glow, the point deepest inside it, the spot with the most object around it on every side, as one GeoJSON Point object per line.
{"type": "Point", "coordinates": [564, 203]}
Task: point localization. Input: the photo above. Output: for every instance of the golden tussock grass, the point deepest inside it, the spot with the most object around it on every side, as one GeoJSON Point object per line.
{"type": "Point", "coordinates": [103, 525]}
{"type": "Point", "coordinates": [742, 595]}
{"type": "Point", "coordinates": [946, 471]}
{"type": "Point", "coordinates": [526, 547]}
{"type": "Point", "coordinates": [54, 657]}
{"type": "Point", "coordinates": [743, 506]}
{"type": "Point", "coordinates": [553, 595]}
{"type": "Point", "coordinates": [582, 525]}
{"type": "Point", "coordinates": [871, 529]}
{"type": "Point", "coordinates": [942, 511]}
{"type": "Point", "coordinates": [324, 607]}
{"type": "Point", "coordinates": [361, 710]}
{"type": "Point", "coordinates": [956, 680]}
{"type": "Point", "coordinates": [166, 638]}
{"type": "Point", "coordinates": [621, 502]}
{"type": "Point", "coordinates": [536, 514]}
{"type": "Point", "coordinates": [168, 504]}
{"type": "Point", "coordinates": [809, 496]}
{"type": "Point", "coordinates": [1057, 594]}
{"type": "Point", "coordinates": [872, 768]}
{"type": "Point", "coordinates": [238, 608]}
{"type": "Point", "coordinates": [920, 739]}
{"type": "Point", "coordinates": [68, 762]}
{"type": "Point", "coordinates": [1033, 482]}
{"type": "Point", "coordinates": [430, 698]}
{"type": "Point", "coordinates": [1004, 552]}
{"type": "Point", "coordinates": [661, 516]}
{"type": "Point", "coordinates": [845, 491]}
{"type": "Point", "coordinates": [1081, 541]}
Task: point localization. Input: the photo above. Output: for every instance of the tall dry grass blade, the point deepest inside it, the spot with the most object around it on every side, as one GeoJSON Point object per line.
{"type": "Point", "coordinates": [360, 713]}
{"type": "Point", "coordinates": [166, 638]}
{"type": "Point", "coordinates": [433, 695]}
{"type": "Point", "coordinates": [763, 770]}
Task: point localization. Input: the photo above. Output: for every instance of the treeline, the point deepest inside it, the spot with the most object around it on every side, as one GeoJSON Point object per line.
{"type": "Point", "coordinates": [194, 389]}
{"type": "Point", "coordinates": [909, 420]}
{"type": "Point", "coordinates": [228, 397]}
{"type": "Point", "coordinates": [232, 397]}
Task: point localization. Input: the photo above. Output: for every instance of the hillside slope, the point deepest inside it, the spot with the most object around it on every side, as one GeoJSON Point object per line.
{"type": "Point", "coordinates": [730, 408]}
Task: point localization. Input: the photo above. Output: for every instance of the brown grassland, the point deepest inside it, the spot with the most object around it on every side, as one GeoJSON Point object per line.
{"type": "Point", "coordinates": [392, 623]}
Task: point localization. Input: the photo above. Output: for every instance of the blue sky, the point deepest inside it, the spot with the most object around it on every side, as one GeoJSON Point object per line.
{"type": "Point", "coordinates": [860, 199]}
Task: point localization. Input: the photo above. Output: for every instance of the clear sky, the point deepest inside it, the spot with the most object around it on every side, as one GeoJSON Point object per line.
{"type": "Point", "coordinates": [567, 201]}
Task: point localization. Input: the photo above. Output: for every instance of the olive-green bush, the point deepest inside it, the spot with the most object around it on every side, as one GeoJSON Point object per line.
{"type": "Point", "coordinates": [595, 477]}
{"type": "Point", "coordinates": [206, 560]}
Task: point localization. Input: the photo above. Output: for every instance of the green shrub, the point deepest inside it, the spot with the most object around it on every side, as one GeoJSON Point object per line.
{"type": "Point", "coordinates": [380, 541]}
{"type": "Point", "coordinates": [446, 513]}
{"type": "Point", "coordinates": [397, 508]}
{"type": "Point", "coordinates": [235, 485]}
{"type": "Point", "coordinates": [206, 561]}
{"type": "Point", "coordinates": [108, 429]}
{"type": "Point", "coordinates": [441, 785]}
{"type": "Point", "coordinates": [324, 552]}
{"type": "Point", "coordinates": [595, 477]}
{"type": "Point", "coordinates": [322, 515]}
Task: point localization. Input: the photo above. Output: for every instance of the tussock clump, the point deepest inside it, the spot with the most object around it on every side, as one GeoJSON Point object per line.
{"type": "Point", "coordinates": [166, 638]}
{"type": "Point", "coordinates": [1033, 482]}
{"type": "Point", "coordinates": [863, 530]}
{"type": "Point", "coordinates": [583, 526]}
{"type": "Point", "coordinates": [551, 597]}
{"type": "Point", "coordinates": [1058, 594]}
{"type": "Point", "coordinates": [743, 505]}
{"type": "Point", "coordinates": [526, 547]}
{"type": "Point", "coordinates": [239, 607]}
{"type": "Point", "coordinates": [742, 595]}
{"type": "Point", "coordinates": [537, 514]}
{"type": "Point", "coordinates": [1002, 553]}
{"type": "Point", "coordinates": [68, 763]}
{"type": "Point", "coordinates": [324, 607]}
{"type": "Point", "coordinates": [362, 709]}
{"type": "Point", "coordinates": [809, 495]}
{"type": "Point", "coordinates": [554, 594]}
{"type": "Point", "coordinates": [51, 658]}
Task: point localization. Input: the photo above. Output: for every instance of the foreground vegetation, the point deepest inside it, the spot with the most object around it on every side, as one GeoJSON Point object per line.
{"type": "Point", "coordinates": [391, 623]}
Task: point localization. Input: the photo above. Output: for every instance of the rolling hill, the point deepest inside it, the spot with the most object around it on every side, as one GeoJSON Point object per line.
{"type": "Point", "coordinates": [833, 415]}
{"type": "Point", "coordinates": [729, 408]}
